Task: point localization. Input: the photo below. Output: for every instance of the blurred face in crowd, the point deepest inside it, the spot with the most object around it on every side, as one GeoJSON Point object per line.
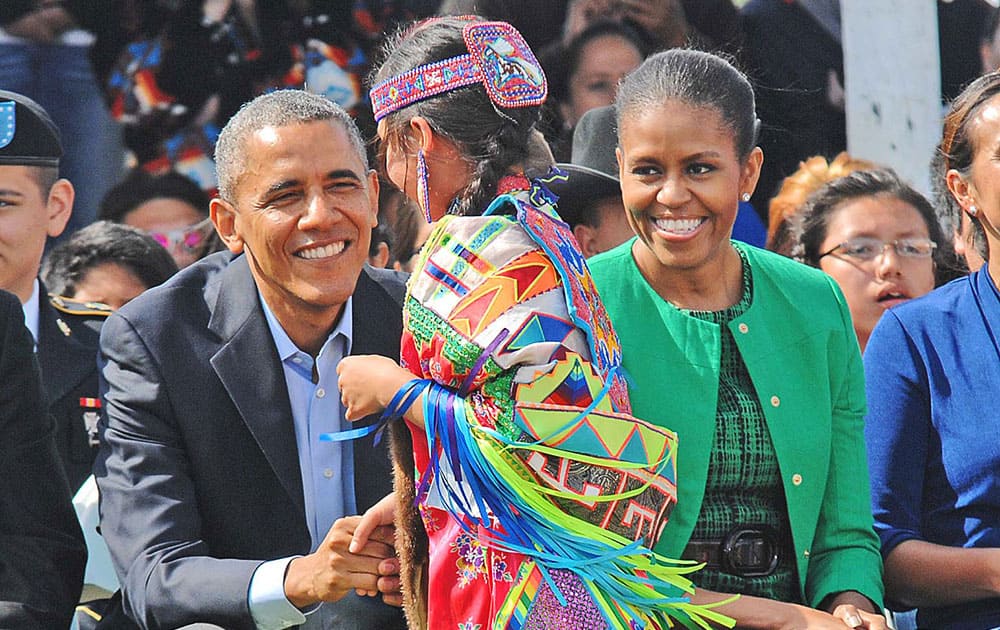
{"type": "Point", "coordinates": [873, 274]}
{"type": "Point", "coordinates": [302, 212]}
{"type": "Point", "coordinates": [177, 225]}
{"type": "Point", "coordinates": [612, 230]}
{"type": "Point", "coordinates": [603, 62]}
{"type": "Point", "coordinates": [29, 213]}
{"type": "Point", "coordinates": [681, 181]}
{"type": "Point", "coordinates": [110, 283]}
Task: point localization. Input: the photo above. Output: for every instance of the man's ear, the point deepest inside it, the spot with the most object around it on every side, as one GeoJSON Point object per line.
{"type": "Point", "coordinates": [381, 257]}
{"type": "Point", "coordinates": [223, 216]}
{"type": "Point", "coordinates": [373, 188]}
{"type": "Point", "coordinates": [59, 206]}
{"type": "Point", "coordinates": [586, 236]}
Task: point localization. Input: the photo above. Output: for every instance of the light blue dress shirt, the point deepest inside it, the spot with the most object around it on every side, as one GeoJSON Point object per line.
{"type": "Point", "coordinates": [327, 468]}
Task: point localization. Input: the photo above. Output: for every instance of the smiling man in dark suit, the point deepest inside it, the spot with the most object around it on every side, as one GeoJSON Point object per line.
{"type": "Point", "coordinates": [219, 502]}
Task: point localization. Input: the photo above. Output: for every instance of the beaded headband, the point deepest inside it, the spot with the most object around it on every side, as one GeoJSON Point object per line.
{"type": "Point", "coordinates": [498, 57]}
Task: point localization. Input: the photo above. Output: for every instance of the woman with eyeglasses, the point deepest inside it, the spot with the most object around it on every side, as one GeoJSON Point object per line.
{"type": "Point", "coordinates": [876, 236]}
{"type": "Point", "coordinates": [933, 370]}
{"type": "Point", "coordinates": [748, 355]}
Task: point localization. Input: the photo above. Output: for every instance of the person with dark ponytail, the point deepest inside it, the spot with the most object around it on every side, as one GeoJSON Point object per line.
{"type": "Point", "coordinates": [749, 356]}
{"type": "Point", "coordinates": [540, 495]}
{"type": "Point", "coordinates": [932, 367]}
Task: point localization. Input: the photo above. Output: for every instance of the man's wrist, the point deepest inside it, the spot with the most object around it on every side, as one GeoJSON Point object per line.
{"type": "Point", "coordinates": [297, 585]}
{"type": "Point", "coordinates": [269, 605]}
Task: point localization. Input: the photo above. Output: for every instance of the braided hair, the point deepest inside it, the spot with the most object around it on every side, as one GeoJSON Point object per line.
{"type": "Point", "coordinates": [491, 138]}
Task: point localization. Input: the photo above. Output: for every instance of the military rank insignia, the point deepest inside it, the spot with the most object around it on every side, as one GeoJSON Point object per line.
{"type": "Point", "coordinates": [91, 408]}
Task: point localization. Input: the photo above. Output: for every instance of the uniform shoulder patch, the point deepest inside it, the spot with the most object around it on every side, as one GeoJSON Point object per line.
{"type": "Point", "coordinates": [76, 307]}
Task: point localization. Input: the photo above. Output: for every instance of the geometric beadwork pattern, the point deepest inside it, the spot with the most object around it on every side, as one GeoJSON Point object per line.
{"type": "Point", "coordinates": [586, 307]}
{"type": "Point", "coordinates": [530, 449]}
{"type": "Point", "coordinates": [513, 284]}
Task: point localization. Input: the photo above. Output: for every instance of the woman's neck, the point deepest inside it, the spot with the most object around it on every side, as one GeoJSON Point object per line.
{"type": "Point", "coordinates": [993, 268]}
{"type": "Point", "coordinates": [712, 287]}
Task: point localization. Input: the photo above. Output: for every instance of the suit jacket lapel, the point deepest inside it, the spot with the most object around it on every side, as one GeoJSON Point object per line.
{"type": "Point", "coordinates": [377, 325]}
{"type": "Point", "coordinates": [248, 366]}
{"type": "Point", "coordinates": [378, 322]}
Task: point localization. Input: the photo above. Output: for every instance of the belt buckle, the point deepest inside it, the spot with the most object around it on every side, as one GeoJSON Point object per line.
{"type": "Point", "coordinates": [749, 552]}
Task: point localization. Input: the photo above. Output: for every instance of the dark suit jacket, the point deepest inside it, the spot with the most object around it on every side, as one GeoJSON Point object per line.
{"type": "Point", "coordinates": [68, 333]}
{"type": "Point", "coordinates": [42, 553]}
{"type": "Point", "coordinates": [198, 468]}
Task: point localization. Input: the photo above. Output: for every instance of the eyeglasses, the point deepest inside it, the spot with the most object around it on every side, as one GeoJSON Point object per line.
{"type": "Point", "coordinates": [191, 239]}
{"type": "Point", "coordinates": [867, 249]}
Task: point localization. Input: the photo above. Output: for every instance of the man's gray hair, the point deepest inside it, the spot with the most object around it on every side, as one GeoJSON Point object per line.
{"type": "Point", "coordinates": [275, 109]}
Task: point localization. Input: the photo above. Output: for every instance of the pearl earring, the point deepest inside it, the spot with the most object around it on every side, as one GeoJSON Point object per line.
{"type": "Point", "coordinates": [973, 210]}
{"type": "Point", "coordinates": [745, 196]}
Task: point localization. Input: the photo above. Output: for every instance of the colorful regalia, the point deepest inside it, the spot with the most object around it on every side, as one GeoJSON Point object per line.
{"type": "Point", "coordinates": [540, 493]}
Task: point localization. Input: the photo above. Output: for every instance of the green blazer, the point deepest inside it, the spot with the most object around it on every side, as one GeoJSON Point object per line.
{"type": "Point", "coordinates": [799, 347]}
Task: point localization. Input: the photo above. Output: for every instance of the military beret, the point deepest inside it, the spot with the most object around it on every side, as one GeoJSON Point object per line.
{"type": "Point", "coordinates": [28, 137]}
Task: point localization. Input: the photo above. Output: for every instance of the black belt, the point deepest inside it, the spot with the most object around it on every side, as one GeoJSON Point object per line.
{"type": "Point", "coordinates": [744, 551]}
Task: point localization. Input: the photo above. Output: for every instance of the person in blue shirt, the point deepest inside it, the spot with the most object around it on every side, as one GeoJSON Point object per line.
{"type": "Point", "coordinates": [219, 502]}
{"type": "Point", "coordinates": [932, 366]}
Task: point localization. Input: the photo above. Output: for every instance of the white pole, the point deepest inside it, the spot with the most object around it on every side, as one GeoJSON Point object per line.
{"type": "Point", "coordinates": [892, 84]}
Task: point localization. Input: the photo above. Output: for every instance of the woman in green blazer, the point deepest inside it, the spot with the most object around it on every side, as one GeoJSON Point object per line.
{"type": "Point", "coordinates": [751, 358]}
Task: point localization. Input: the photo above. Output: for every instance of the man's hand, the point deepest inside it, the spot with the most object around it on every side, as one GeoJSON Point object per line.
{"type": "Point", "coordinates": [856, 611]}
{"type": "Point", "coordinates": [332, 570]}
{"type": "Point", "coordinates": [215, 10]}
{"type": "Point", "coordinates": [582, 13]}
{"type": "Point", "coordinates": [379, 515]}
{"type": "Point", "coordinates": [663, 20]}
{"type": "Point", "coordinates": [42, 25]}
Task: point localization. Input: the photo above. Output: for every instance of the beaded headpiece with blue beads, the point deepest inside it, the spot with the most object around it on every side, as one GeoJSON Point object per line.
{"type": "Point", "coordinates": [498, 57]}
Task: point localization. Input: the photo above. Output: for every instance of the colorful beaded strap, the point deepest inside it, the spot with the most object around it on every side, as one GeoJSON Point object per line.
{"type": "Point", "coordinates": [498, 57]}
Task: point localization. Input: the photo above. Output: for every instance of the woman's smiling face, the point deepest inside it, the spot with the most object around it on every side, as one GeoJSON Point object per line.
{"type": "Point", "coordinates": [681, 181]}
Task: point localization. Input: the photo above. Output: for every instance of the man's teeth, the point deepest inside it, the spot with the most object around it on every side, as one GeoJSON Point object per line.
{"type": "Point", "coordinates": [322, 252]}
{"type": "Point", "coordinates": [677, 226]}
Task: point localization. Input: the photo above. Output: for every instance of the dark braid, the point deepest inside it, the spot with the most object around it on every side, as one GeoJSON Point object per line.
{"type": "Point", "coordinates": [507, 146]}
{"type": "Point", "coordinates": [491, 138]}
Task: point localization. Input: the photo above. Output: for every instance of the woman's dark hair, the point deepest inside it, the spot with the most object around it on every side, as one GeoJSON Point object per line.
{"type": "Point", "coordinates": [562, 61]}
{"type": "Point", "coordinates": [106, 242]}
{"type": "Point", "coordinates": [809, 226]}
{"type": "Point", "coordinates": [138, 187]}
{"type": "Point", "coordinates": [699, 79]}
{"type": "Point", "coordinates": [492, 138]}
{"type": "Point", "coordinates": [956, 146]}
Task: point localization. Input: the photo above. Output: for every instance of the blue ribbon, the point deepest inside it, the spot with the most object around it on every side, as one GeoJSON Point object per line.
{"type": "Point", "coordinates": [400, 403]}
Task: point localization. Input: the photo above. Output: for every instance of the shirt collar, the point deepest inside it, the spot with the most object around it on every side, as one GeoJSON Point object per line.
{"type": "Point", "coordinates": [287, 348]}
{"type": "Point", "coordinates": [31, 311]}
